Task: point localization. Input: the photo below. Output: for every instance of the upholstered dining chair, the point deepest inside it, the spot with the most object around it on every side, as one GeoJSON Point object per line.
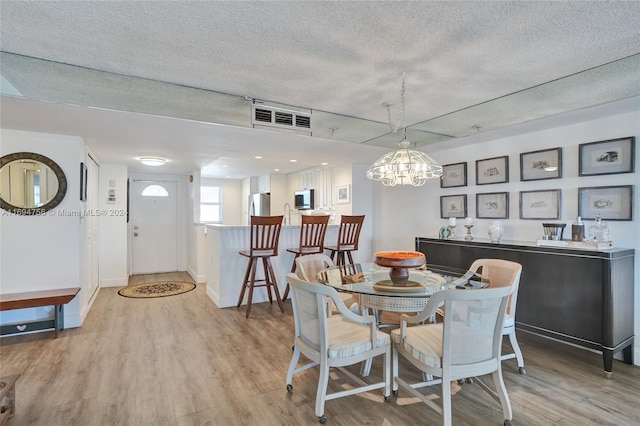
{"type": "Point", "coordinates": [466, 344]}
{"type": "Point", "coordinates": [336, 341]}
{"type": "Point", "coordinates": [348, 236]}
{"type": "Point", "coordinates": [264, 238]}
{"type": "Point", "coordinates": [312, 231]}
{"type": "Point", "coordinates": [502, 273]}
{"type": "Point", "coordinates": [307, 269]}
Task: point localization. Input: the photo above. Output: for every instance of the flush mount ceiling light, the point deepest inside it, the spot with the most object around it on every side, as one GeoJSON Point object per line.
{"type": "Point", "coordinates": [404, 166]}
{"type": "Point", "coordinates": [153, 161]}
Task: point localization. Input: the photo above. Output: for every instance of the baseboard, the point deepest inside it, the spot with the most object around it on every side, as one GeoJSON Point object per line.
{"type": "Point", "coordinates": [198, 278]}
{"type": "Point", "coordinates": [115, 282]}
{"type": "Point", "coordinates": [213, 296]}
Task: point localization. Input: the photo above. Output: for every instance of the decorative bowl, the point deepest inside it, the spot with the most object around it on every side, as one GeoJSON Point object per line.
{"type": "Point", "coordinates": [399, 262]}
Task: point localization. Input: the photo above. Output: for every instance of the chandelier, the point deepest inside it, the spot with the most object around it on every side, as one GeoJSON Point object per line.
{"type": "Point", "coordinates": [404, 166]}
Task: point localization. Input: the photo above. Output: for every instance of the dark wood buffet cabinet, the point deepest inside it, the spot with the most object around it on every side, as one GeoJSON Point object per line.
{"type": "Point", "coordinates": [582, 297]}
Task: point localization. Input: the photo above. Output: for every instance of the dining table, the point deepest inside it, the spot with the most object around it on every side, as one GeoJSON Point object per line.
{"type": "Point", "coordinates": [375, 290]}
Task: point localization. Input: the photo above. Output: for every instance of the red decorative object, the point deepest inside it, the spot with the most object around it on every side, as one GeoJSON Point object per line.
{"type": "Point", "coordinates": [400, 262]}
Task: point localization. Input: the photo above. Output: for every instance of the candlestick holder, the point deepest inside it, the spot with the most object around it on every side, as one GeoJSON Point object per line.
{"type": "Point", "coordinates": [452, 232]}
{"type": "Point", "coordinates": [468, 237]}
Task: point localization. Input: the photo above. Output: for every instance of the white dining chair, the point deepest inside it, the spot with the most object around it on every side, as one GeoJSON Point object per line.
{"type": "Point", "coordinates": [466, 344]}
{"type": "Point", "coordinates": [333, 341]}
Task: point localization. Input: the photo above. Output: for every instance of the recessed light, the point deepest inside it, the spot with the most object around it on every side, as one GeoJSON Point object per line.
{"type": "Point", "coordinates": [323, 164]}
{"type": "Point", "coordinates": [258, 157]}
{"type": "Point", "coordinates": [293, 161]}
{"type": "Point", "coordinates": [152, 161]}
{"type": "Point", "coordinates": [276, 170]}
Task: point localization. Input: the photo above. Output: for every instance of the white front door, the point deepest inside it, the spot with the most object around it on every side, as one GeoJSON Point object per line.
{"type": "Point", "coordinates": [154, 226]}
{"type": "Point", "coordinates": [93, 273]}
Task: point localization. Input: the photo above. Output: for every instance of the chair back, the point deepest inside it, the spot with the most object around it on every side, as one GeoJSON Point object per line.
{"type": "Point", "coordinates": [310, 313]}
{"type": "Point", "coordinates": [501, 273]}
{"type": "Point", "coordinates": [349, 232]}
{"type": "Point", "coordinates": [265, 234]}
{"type": "Point", "coordinates": [312, 232]}
{"type": "Point", "coordinates": [472, 329]}
{"type": "Point", "coordinates": [308, 266]}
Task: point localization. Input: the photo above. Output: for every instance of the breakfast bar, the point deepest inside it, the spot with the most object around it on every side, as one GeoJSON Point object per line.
{"type": "Point", "coordinates": [577, 296]}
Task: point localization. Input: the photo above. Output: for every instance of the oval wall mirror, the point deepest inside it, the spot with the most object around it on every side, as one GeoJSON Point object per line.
{"type": "Point", "coordinates": [30, 184]}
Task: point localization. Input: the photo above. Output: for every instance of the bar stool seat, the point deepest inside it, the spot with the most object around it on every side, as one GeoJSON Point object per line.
{"type": "Point", "coordinates": [348, 236]}
{"type": "Point", "coordinates": [312, 232]}
{"type": "Point", "coordinates": [265, 235]}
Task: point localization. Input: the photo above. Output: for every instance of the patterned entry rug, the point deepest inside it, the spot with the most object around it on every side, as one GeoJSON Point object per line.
{"type": "Point", "coordinates": [159, 289]}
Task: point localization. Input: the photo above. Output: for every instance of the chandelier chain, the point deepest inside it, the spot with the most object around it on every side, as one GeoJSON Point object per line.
{"type": "Point", "coordinates": [401, 112]}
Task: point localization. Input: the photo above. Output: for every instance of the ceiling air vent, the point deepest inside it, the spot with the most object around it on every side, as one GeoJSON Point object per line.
{"type": "Point", "coordinates": [265, 115]}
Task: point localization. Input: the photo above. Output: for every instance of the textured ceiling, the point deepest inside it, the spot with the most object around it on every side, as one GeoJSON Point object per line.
{"type": "Point", "coordinates": [470, 66]}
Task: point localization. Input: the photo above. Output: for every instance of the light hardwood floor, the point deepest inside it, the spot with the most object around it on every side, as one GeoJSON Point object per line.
{"type": "Point", "coordinates": [180, 360]}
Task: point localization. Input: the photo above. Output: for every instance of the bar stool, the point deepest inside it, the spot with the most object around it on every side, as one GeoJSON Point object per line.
{"type": "Point", "coordinates": [265, 234]}
{"type": "Point", "coordinates": [312, 232]}
{"type": "Point", "coordinates": [348, 236]}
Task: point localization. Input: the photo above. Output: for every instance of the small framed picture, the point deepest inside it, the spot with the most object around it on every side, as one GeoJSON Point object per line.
{"type": "Point", "coordinates": [83, 182]}
{"type": "Point", "coordinates": [454, 175]}
{"type": "Point", "coordinates": [492, 170]}
{"type": "Point", "coordinates": [607, 157]}
{"type": "Point", "coordinates": [543, 204]}
{"type": "Point", "coordinates": [492, 205]}
{"type": "Point", "coordinates": [453, 206]}
{"type": "Point", "coordinates": [610, 202]}
{"type": "Point", "coordinates": [344, 194]}
{"type": "Point", "coordinates": [543, 164]}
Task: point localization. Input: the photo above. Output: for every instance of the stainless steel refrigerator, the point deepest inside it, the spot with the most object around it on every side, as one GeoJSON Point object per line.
{"type": "Point", "coordinates": [260, 205]}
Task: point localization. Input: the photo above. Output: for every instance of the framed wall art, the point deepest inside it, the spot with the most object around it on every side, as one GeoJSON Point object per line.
{"type": "Point", "coordinates": [344, 194]}
{"type": "Point", "coordinates": [453, 206]}
{"type": "Point", "coordinates": [540, 205]}
{"type": "Point", "coordinates": [454, 175]}
{"type": "Point", "coordinates": [543, 164]}
{"type": "Point", "coordinates": [610, 202]}
{"type": "Point", "coordinates": [492, 205]}
{"type": "Point", "coordinates": [607, 157]}
{"type": "Point", "coordinates": [492, 170]}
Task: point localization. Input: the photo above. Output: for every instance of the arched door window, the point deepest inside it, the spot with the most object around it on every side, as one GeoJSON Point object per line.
{"type": "Point", "coordinates": [155, 190]}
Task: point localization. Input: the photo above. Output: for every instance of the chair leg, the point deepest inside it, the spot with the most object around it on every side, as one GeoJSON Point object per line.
{"type": "Point", "coordinates": [516, 349]}
{"type": "Point", "coordinates": [252, 280]}
{"type": "Point", "coordinates": [501, 390]}
{"type": "Point", "coordinates": [274, 282]}
{"type": "Point", "coordinates": [295, 357]}
{"type": "Point", "coordinates": [446, 399]}
{"type": "Point", "coordinates": [350, 257]}
{"type": "Point", "coordinates": [244, 282]}
{"type": "Point", "coordinates": [394, 368]}
{"type": "Point", "coordinates": [321, 394]}
{"type": "Point", "coordinates": [267, 279]}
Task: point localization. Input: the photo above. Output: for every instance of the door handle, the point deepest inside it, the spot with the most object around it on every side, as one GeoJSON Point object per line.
{"type": "Point", "coordinates": [135, 234]}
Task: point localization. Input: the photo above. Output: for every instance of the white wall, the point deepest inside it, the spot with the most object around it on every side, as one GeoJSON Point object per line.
{"type": "Point", "coordinates": [43, 252]}
{"type": "Point", "coordinates": [113, 241]}
{"type": "Point", "coordinates": [402, 213]}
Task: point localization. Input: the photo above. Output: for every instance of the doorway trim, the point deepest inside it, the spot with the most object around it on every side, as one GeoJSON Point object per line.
{"type": "Point", "coordinates": [181, 185]}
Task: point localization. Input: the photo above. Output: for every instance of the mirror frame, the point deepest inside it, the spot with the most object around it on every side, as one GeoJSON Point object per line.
{"type": "Point", "coordinates": [57, 199]}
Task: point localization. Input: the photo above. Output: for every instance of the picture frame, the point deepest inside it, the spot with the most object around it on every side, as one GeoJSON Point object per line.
{"type": "Point", "coordinates": [610, 202]}
{"type": "Point", "coordinates": [83, 181]}
{"type": "Point", "coordinates": [453, 206]}
{"type": "Point", "coordinates": [541, 164]}
{"type": "Point", "coordinates": [492, 205]}
{"type": "Point", "coordinates": [492, 170]}
{"type": "Point", "coordinates": [608, 157]}
{"type": "Point", "coordinates": [540, 204]}
{"type": "Point", "coordinates": [344, 194]}
{"type": "Point", "coordinates": [454, 175]}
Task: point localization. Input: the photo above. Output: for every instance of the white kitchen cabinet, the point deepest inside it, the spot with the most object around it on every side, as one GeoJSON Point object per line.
{"type": "Point", "coordinates": [306, 179]}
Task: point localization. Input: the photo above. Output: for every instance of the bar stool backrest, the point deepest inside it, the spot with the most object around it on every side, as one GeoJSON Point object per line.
{"type": "Point", "coordinates": [265, 235]}
{"type": "Point", "coordinates": [349, 232]}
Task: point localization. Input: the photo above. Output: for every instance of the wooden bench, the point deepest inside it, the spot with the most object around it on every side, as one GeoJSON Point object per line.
{"type": "Point", "coordinates": [34, 299]}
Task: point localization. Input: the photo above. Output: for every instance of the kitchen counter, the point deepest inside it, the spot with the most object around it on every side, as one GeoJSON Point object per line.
{"type": "Point", "coordinates": [225, 266]}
